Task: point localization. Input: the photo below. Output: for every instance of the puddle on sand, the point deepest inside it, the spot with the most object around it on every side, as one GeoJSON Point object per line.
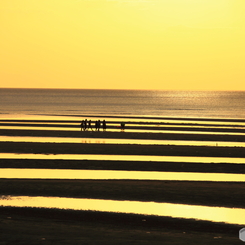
{"type": "Point", "coordinates": [18, 173]}
{"type": "Point", "coordinates": [117, 141]}
{"type": "Point", "coordinates": [149, 158]}
{"type": "Point", "coordinates": [215, 214]}
{"type": "Point", "coordinates": [39, 128]}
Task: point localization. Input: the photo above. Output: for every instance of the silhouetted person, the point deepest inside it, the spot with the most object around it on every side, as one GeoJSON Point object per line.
{"type": "Point", "coordinates": [89, 125]}
{"type": "Point", "coordinates": [122, 126]}
{"type": "Point", "coordinates": [82, 125]}
{"type": "Point", "coordinates": [104, 125]}
{"type": "Point", "coordinates": [85, 125]}
{"type": "Point", "coordinates": [98, 125]}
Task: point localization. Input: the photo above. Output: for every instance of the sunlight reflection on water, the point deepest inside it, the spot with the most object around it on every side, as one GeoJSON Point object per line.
{"type": "Point", "coordinates": [117, 141]}
{"type": "Point", "coordinates": [124, 158]}
{"type": "Point", "coordinates": [215, 214]}
{"type": "Point", "coordinates": [126, 118]}
{"type": "Point", "coordinates": [17, 173]}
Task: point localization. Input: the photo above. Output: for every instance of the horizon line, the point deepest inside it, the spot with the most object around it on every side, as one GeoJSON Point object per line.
{"type": "Point", "coordinates": [132, 89]}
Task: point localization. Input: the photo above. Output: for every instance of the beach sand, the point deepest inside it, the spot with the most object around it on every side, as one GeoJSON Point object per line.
{"type": "Point", "coordinates": [40, 226]}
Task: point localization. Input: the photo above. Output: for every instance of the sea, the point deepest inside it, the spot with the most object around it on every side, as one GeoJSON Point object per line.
{"type": "Point", "coordinates": [122, 103]}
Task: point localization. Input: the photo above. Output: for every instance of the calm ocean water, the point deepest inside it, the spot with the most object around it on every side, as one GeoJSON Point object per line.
{"type": "Point", "coordinates": [209, 104]}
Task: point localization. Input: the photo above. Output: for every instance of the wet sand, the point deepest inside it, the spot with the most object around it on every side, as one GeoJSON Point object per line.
{"type": "Point", "coordinates": [39, 226]}
{"type": "Point", "coordinates": [123, 149]}
{"type": "Point", "coordinates": [185, 192]}
{"type": "Point", "coordinates": [123, 135]}
{"type": "Point", "coordinates": [124, 165]}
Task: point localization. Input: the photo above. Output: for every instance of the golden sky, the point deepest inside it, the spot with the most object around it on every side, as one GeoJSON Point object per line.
{"type": "Point", "coordinates": [123, 44]}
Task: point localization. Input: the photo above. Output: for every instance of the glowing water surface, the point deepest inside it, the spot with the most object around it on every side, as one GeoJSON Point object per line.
{"type": "Point", "coordinates": [215, 214]}
{"type": "Point", "coordinates": [117, 141]}
{"type": "Point", "coordinates": [124, 158]}
{"type": "Point", "coordinates": [18, 173]}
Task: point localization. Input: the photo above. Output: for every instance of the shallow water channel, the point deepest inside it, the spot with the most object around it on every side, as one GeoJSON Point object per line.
{"type": "Point", "coordinates": [17, 173]}
{"type": "Point", "coordinates": [215, 214]}
{"type": "Point", "coordinates": [118, 141]}
{"type": "Point", "coordinates": [149, 158]}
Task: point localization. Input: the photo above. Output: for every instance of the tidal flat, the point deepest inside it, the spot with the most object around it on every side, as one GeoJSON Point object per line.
{"type": "Point", "coordinates": [51, 226]}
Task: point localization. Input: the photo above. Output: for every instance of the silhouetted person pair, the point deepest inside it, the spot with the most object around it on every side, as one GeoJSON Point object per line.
{"type": "Point", "coordinates": [85, 124]}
